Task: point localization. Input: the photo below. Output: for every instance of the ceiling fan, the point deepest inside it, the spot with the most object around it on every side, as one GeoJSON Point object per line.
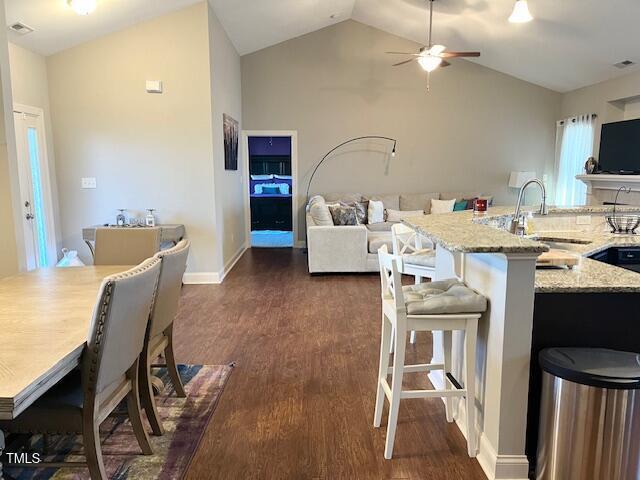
{"type": "Point", "coordinates": [432, 56]}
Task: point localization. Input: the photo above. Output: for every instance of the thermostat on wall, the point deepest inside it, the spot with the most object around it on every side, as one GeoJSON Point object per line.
{"type": "Point", "coordinates": [154, 86]}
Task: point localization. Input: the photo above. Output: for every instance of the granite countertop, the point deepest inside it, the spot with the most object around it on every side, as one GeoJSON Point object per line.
{"type": "Point", "coordinates": [464, 232]}
{"type": "Point", "coordinates": [459, 232]}
{"type": "Point", "coordinates": [590, 276]}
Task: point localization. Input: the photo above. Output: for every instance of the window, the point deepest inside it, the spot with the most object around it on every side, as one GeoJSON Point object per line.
{"type": "Point", "coordinates": [575, 138]}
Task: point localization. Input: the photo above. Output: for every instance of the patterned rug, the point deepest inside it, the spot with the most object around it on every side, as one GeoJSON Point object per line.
{"type": "Point", "coordinates": [184, 420]}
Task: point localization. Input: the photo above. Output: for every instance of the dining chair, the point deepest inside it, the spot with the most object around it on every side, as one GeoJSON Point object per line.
{"type": "Point", "coordinates": [159, 338]}
{"type": "Point", "coordinates": [83, 399]}
{"type": "Point", "coordinates": [125, 246]}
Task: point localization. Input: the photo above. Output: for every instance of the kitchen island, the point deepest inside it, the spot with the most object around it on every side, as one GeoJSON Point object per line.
{"type": "Point", "coordinates": [529, 309]}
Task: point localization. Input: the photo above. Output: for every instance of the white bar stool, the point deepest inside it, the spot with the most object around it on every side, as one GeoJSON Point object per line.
{"type": "Point", "coordinates": [446, 305]}
{"type": "Point", "coordinates": [416, 260]}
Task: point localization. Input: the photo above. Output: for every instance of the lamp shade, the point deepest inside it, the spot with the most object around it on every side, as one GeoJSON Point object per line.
{"type": "Point", "coordinates": [520, 12]}
{"type": "Point", "coordinates": [517, 179]}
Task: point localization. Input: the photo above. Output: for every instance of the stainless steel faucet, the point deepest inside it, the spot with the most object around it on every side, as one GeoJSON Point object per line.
{"type": "Point", "coordinates": [515, 222]}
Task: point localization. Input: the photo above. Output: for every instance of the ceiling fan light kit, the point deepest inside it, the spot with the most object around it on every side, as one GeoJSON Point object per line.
{"type": "Point", "coordinates": [82, 7]}
{"type": "Point", "coordinates": [432, 56]}
{"type": "Point", "coordinates": [520, 12]}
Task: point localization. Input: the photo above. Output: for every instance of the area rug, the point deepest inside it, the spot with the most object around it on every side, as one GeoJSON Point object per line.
{"type": "Point", "coordinates": [184, 420]}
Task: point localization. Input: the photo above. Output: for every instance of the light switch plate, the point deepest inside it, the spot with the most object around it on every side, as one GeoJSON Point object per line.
{"type": "Point", "coordinates": [88, 182]}
{"type": "Point", "coordinates": [583, 220]}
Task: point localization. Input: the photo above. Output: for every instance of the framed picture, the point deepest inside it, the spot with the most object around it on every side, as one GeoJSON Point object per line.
{"type": "Point", "coordinates": [230, 126]}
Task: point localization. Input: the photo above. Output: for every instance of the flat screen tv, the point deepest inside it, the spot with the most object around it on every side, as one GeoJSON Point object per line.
{"type": "Point", "coordinates": [620, 147]}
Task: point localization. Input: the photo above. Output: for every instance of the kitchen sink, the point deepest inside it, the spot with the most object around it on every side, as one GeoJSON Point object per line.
{"type": "Point", "coordinates": [570, 244]}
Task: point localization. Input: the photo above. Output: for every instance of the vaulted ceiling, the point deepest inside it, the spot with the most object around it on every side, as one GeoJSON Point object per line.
{"type": "Point", "coordinates": [571, 43]}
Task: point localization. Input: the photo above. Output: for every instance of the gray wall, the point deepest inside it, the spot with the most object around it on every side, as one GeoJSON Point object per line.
{"type": "Point", "coordinates": [146, 150]}
{"type": "Point", "coordinates": [473, 128]}
{"type": "Point", "coordinates": [226, 97]}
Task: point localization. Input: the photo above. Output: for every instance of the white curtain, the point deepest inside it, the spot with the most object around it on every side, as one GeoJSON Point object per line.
{"type": "Point", "coordinates": [575, 138]}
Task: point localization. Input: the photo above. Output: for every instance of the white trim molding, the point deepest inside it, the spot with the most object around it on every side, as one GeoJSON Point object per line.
{"type": "Point", "coordinates": [213, 278]}
{"type": "Point", "coordinates": [295, 191]}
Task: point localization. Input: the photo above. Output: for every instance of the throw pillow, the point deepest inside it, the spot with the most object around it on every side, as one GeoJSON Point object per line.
{"type": "Point", "coordinates": [321, 214]}
{"type": "Point", "coordinates": [460, 206]}
{"type": "Point", "coordinates": [399, 215]}
{"type": "Point", "coordinates": [361, 210]}
{"type": "Point", "coordinates": [343, 215]}
{"type": "Point", "coordinates": [375, 212]}
{"type": "Point", "coordinates": [442, 206]}
{"type": "Point", "coordinates": [270, 189]}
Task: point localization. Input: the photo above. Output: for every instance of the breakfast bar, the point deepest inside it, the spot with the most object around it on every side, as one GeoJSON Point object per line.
{"type": "Point", "coordinates": [592, 304]}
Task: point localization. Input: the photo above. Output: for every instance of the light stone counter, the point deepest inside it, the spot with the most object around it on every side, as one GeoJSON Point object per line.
{"type": "Point", "coordinates": [463, 232]}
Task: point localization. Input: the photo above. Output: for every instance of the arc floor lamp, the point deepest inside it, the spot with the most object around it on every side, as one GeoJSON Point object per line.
{"type": "Point", "coordinates": [355, 139]}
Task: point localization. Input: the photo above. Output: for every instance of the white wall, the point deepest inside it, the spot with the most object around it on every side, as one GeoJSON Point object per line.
{"type": "Point", "coordinates": [145, 150]}
{"type": "Point", "coordinates": [473, 128]}
{"type": "Point", "coordinates": [10, 248]}
{"type": "Point", "coordinates": [226, 97]}
{"type": "Point", "coordinates": [30, 87]}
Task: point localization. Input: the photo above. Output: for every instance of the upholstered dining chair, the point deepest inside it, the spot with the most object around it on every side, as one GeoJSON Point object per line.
{"type": "Point", "coordinates": [159, 337]}
{"type": "Point", "coordinates": [125, 246]}
{"type": "Point", "coordinates": [83, 399]}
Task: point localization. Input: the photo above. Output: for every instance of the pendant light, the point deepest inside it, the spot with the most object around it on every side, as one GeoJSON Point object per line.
{"type": "Point", "coordinates": [520, 12]}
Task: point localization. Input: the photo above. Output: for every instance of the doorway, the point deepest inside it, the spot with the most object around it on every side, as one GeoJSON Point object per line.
{"type": "Point", "coordinates": [35, 187]}
{"type": "Point", "coordinates": [270, 185]}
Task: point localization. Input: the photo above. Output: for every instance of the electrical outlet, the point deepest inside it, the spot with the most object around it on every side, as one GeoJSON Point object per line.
{"type": "Point", "coordinates": [88, 182]}
{"type": "Point", "coordinates": [583, 220]}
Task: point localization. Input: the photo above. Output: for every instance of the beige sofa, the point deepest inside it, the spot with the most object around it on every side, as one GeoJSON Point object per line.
{"type": "Point", "coordinates": [354, 248]}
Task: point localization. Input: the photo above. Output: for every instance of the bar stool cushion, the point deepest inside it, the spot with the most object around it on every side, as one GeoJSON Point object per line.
{"type": "Point", "coordinates": [449, 296]}
{"type": "Point", "coordinates": [425, 257]}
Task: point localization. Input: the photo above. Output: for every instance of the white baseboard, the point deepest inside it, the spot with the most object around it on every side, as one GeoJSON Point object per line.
{"type": "Point", "coordinates": [495, 467]}
{"type": "Point", "coordinates": [200, 278]}
{"type": "Point", "coordinates": [206, 278]}
{"type": "Point", "coordinates": [232, 262]}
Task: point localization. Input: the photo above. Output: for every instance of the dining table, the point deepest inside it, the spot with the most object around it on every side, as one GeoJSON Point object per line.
{"type": "Point", "coordinates": [45, 316]}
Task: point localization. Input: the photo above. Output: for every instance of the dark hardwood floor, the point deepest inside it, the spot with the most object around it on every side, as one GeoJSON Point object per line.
{"type": "Point", "coordinates": [299, 404]}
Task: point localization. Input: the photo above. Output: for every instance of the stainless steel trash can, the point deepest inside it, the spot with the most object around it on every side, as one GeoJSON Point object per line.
{"type": "Point", "coordinates": [589, 415]}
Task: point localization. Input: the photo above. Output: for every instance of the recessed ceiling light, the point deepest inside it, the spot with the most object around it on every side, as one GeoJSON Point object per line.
{"type": "Point", "coordinates": [82, 7]}
{"type": "Point", "coordinates": [520, 12]}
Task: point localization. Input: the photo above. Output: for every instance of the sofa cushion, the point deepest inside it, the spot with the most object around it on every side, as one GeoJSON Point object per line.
{"type": "Point", "coordinates": [418, 201]}
{"type": "Point", "coordinates": [376, 240]}
{"type": "Point", "coordinates": [320, 213]}
{"type": "Point", "coordinates": [390, 200]}
{"type": "Point", "coordinates": [442, 297]}
{"type": "Point", "coordinates": [380, 227]}
{"type": "Point", "coordinates": [395, 216]}
{"type": "Point", "coordinates": [342, 197]}
{"type": "Point", "coordinates": [458, 195]}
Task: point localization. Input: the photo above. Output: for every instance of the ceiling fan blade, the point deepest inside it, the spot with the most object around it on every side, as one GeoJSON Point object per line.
{"type": "Point", "coordinates": [406, 61]}
{"type": "Point", "coordinates": [445, 64]}
{"type": "Point", "coordinates": [459, 54]}
{"type": "Point", "coordinates": [404, 53]}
